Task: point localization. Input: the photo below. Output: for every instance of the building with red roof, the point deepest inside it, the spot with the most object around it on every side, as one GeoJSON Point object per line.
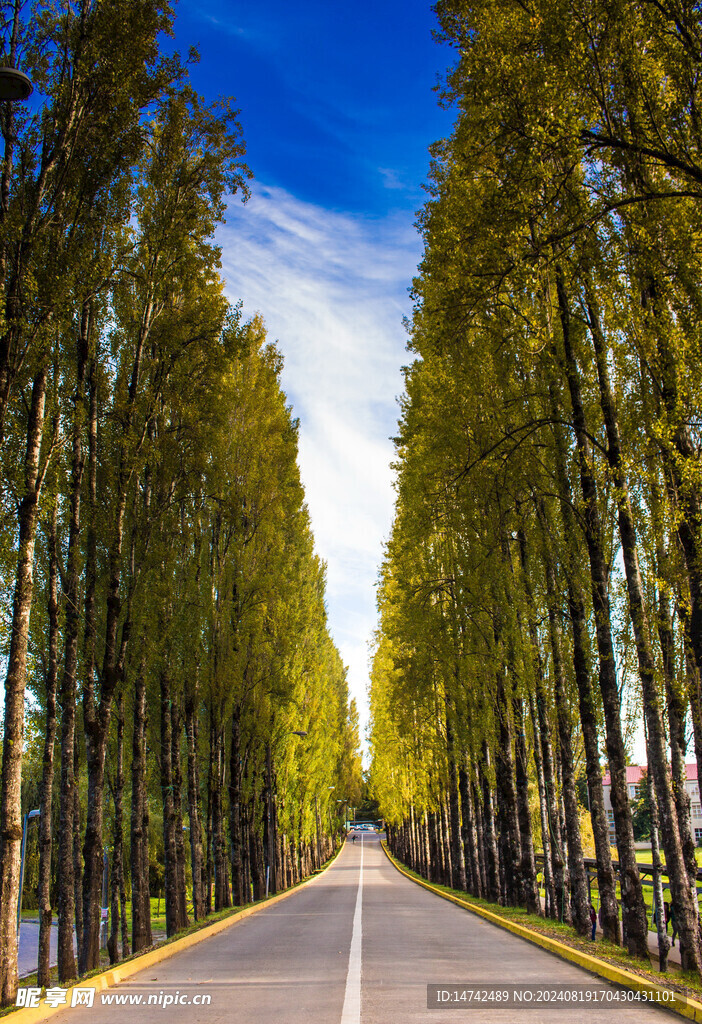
{"type": "Point", "coordinates": [634, 774]}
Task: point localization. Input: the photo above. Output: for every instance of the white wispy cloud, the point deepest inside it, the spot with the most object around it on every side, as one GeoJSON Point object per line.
{"type": "Point", "coordinates": [332, 289]}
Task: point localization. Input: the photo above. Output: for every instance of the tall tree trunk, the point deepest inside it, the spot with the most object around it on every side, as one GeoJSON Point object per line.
{"type": "Point", "coordinates": [176, 730]}
{"type": "Point", "coordinates": [578, 879]}
{"type": "Point", "coordinates": [481, 845]}
{"type": "Point", "coordinates": [679, 452]}
{"type": "Point", "coordinates": [194, 805]}
{"type": "Point", "coordinates": [268, 824]}
{"type": "Point", "coordinates": [413, 854]}
{"type": "Point", "coordinates": [634, 914]}
{"type": "Point", "coordinates": [550, 909]}
{"type": "Point", "coordinates": [139, 823]}
{"type": "Point", "coordinates": [530, 887]}
{"type": "Point", "coordinates": [77, 851]}
{"type": "Point", "coordinates": [586, 697]}
{"type": "Point", "coordinates": [235, 826]}
{"type": "Point", "coordinates": [47, 777]}
{"type": "Point", "coordinates": [69, 804]}
{"type": "Point", "coordinates": [209, 865]}
{"type": "Point", "coordinates": [491, 853]}
{"type": "Point", "coordinates": [117, 875]}
{"type": "Point", "coordinates": [221, 873]}
{"type": "Point", "coordinates": [510, 838]}
{"type": "Point", "coordinates": [446, 844]}
{"type": "Point", "coordinates": [65, 875]}
{"type": "Point", "coordinates": [434, 862]}
{"type": "Point", "coordinates": [677, 713]}
{"type": "Point", "coordinates": [169, 843]}
{"type": "Point", "coordinates": [544, 744]}
{"type": "Point", "coordinates": [685, 903]}
{"type": "Point", "coordinates": [468, 833]}
{"type": "Point", "coordinates": [661, 926]}
{"type": "Point", "coordinates": [97, 708]}
{"type": "Point", "coordinates": [258, 879]}
{"type": "Point", "coordinates": [15, 683]}
{"type": "Point", "coordinates": [458, 864]}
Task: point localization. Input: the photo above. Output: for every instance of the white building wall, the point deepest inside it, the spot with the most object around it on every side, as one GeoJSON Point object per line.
{"type": "Point", "coordinates": [693, 790]}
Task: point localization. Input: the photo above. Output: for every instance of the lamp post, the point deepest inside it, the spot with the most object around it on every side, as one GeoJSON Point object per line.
{"type": "Point", "coordinates": [345, 802]}
{"type": "Point", "coordinates": [14, 85]}
{"type": "Point", "coordinates": [27, 818]}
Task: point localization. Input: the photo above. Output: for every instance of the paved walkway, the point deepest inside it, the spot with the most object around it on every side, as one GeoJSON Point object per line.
{"type": "Point", "coordinates": [29, 947]}
{"type": "Point", "coordinates": [673, 953]}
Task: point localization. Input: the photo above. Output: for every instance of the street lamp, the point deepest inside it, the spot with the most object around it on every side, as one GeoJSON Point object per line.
{"type": "Point", "coordinates": [298, 732]}
{"type": "Point", "coordinates": [27, 818]}
{"type": "Point", "coordinates": [14, 85]}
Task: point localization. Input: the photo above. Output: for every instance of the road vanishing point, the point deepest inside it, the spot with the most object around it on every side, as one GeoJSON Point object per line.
{"type": "Point", "coordinates": [361, 943]}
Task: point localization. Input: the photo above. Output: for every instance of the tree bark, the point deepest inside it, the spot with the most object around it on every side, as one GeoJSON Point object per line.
{"type": "Point", "coordinates": [468, 833]}
{"type": "Point", "coordinates": [117, 873]}
{"type": "Point", "coordinates": [194, 805]}
{"type": "Point", "coordinates": [491, 851]}
{"type": "Point", "coordinates": [47, 778]}
{"type": "Point", "coordinates": [221, 873]}
{"type": "Point", "coordinates": [663, 941]}
{"type": "Point", "coordinates": [578, 879]}
{"type": "Point", "coordinates": [77, 853]}
{"type": "Point", "coordinates": [458, 864]}
{"type": "Point", "coordinates": [634, 914]}
{"type": "Point", "coordinates": [481, 847]}
{"type": "Point", "coordinates": [235, 829]}
{"type": "Point", "coordinates": [139, 824]}
{"type": "Point", "coordinates": [685, 903]}
{"type": "Point", "coordinates": [551, 904]}
{"type": "Point", "coordinates": [677, 713]}
{"type": "Point", "coordinates": [446, 845]}
{"type": "Point", "coordinates": [15, 683]}
{"type": "Point", "coordinates": [543, 744]}
{"type": "Point", "coordinates": [530, 889]}
{"type": "Point", "coordinates": [169, 842]}
{"type": "Point", "coordinates": [586, 697]}
{"type": "Point", "coordinates": [269, 824]}
{"type": "Point", "coordinates": [68, 877]}
{"type": "Point", "coordinates": [176, 730]}
{"type": "Point", "coordinates": [510, 838]}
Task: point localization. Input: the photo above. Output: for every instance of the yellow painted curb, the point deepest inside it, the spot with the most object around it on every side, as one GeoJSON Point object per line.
{"type": "Point", "coordinates": [669, 999]}
{"type": "Point", "coordinates": [120, 972]}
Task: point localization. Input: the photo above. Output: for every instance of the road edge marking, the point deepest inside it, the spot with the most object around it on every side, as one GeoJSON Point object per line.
{"type": "Point", "coordinates": [105, 980]}
{"type": "Point", "coordinates": [676, 1003]}
{"type": "Point", "coordinates": [351, 1011]}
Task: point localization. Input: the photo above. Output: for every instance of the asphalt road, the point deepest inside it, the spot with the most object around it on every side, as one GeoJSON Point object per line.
{"type": "Point", "coordinates": [360, 943]}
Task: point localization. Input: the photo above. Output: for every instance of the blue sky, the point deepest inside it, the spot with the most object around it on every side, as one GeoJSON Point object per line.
{"type": "Point", "coordinates": [338, 111]}
{"type": "Point", "coordinates": [336, 99]}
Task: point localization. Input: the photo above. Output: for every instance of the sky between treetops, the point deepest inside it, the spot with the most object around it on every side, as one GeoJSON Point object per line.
{"type": "Point", "coordinates": [338, 111]}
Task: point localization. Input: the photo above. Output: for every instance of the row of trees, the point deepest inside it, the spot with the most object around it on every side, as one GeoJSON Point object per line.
{"type": "Point", "coordinates": [163, 608]}
{"type": "Point", "coordinates": [544, 576]}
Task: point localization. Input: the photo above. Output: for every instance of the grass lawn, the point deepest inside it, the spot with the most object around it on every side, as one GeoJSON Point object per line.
{"type": "Point", "coordinates": [644, 856]}
{"type": "Point", "coordinates": [158, 915]}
